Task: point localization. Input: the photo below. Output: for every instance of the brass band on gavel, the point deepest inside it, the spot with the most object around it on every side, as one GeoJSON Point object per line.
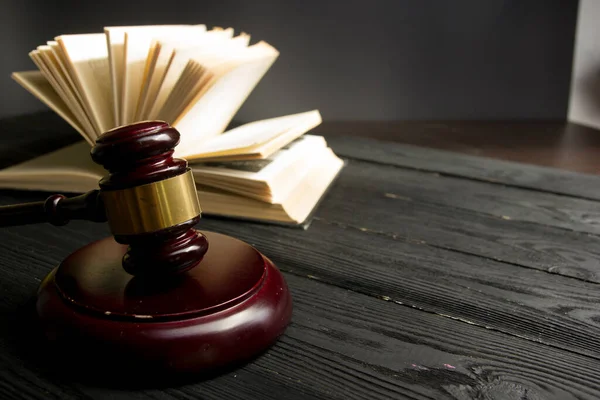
{"type": "Point", "coordinates": [152, 207]}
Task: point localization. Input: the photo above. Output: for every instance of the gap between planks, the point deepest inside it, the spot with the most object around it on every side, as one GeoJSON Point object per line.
{"type": "Point", "coordinates": [471, 210]}
{"type": "Point", "coordinates": [484, 169]}
{"type": "Point", "coordinates": [553, 341]}
{"type": "Point", "coordinates": [396, 236]}
{"type": "Point", "coordinates": [470, 178]}
{"type": "Point", "coordinates": [447, 316]}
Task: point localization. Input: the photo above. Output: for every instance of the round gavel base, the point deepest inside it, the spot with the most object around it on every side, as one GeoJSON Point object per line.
{"type": "Point", "coordinates": [225, 311]}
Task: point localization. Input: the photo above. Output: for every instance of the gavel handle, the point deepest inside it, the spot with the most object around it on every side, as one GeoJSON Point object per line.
{"type": "Point", "coordinates": [57, 210]}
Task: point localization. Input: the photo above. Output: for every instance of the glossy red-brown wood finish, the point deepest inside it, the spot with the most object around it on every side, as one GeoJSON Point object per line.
{"type": "Point", "coordinates": [56, 210]}
{"type": "Point", "coordinates": [164, 253]}
{"type": "Point", "coordinates": [139, 154]}
{"type": "Point", "coordinates": [230, 308]}
{"type": "Point", "coordinates": [159, 303]}
{"type": "Point", "coordinates": [134, 155]}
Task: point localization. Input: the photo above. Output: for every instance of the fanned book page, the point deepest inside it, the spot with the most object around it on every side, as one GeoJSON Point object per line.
{"type": "Point", "coordinates": [180, 54]}
{"type": "Point", "coordinates": [211, 112]}
{"type": "Point", "coordinates": [196, 79]}
{"type": "Point", "coordinates": [115, 40]}
{"type": "Point", "coordinates": [50, 65]}
{"type": "Point", "coordinates": [137, 56]}
{"type": "Point", "coordinates": [254, 140]}
{"type": "Point", "coordinates": [40, 87]}
{"type": "Point", "coordinates": [87, 57]}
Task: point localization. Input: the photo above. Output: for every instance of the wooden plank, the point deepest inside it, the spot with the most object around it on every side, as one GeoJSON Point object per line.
{"type": "Point", "coordinates": [341, 345]}
{"type": "Point", "coordinates": [373, 198]}
{"type": "Point", "coordinates": [585, 186]}
{"type": "Point", "coordinates": [455, 359]}
{"type": "Point", "coordinates": [537, 247]}
{"type": "Point", "coordinates": [496, 200]}
{"type": "Point", "coordinates": [347, 345]}
{"type": "Point", "coordinates": [24, 376]}
{"type": "Point", "coordinates": [526, 303]}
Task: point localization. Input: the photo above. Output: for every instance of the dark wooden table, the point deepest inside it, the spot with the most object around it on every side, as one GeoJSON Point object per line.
{"type": "Point", "coordinates": [425, 275]}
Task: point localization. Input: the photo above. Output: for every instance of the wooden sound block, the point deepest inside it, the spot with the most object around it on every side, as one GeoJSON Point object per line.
{"type": "Point", "coordinates": [226, 310]}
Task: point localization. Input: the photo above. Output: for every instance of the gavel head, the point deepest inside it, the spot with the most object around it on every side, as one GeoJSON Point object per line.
{"type": "Point", "coordinates": [150, 199]}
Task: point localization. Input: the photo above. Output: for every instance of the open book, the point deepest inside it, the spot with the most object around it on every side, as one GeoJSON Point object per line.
{"type": "Point", "coordinates": [196, 80]}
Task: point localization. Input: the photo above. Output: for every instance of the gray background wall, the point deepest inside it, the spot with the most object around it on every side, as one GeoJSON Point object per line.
{"type": "Point", "coordinates": [353, 60]}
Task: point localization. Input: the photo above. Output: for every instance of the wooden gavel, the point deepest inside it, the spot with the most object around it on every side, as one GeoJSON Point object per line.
{"type": "Point", "coordinates": [149, 200]}
{"type": "Point", "coordinates": [209, 308]}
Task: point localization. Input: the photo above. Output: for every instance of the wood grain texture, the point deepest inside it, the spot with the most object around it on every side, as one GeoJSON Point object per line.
{"type": "Point", "coordinates": [408, 284]}
{"type": "Point", "coordinates": [521, 174]}
{"type": "Point", "coordinates": [462, 362]}
{"type": "Point", "coordinates": [500, 201]}
{"type": "Point", "coordinates": [526, 303]}
{"type": "Point", "coordinates": [341, 345]}
{"type": "Point", "coordinates": [374, 198]}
